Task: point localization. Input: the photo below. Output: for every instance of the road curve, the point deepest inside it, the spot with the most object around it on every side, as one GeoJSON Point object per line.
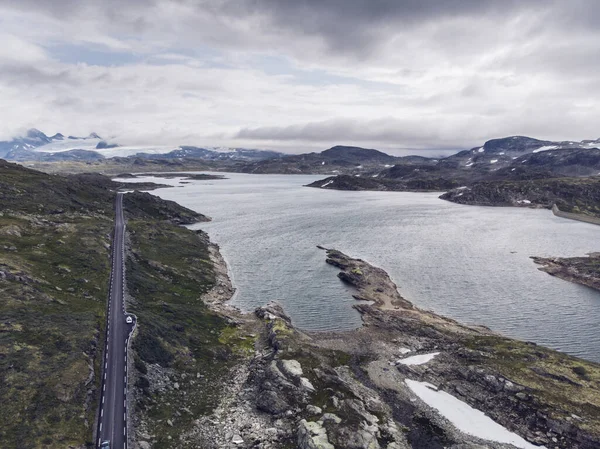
{"type": "Point", "coordinates": [112, 415]}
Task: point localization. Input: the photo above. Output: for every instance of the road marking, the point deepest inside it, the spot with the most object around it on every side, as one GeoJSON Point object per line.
{"type": "Point", "coordinates": [102, 413]}
{"type": "Point", "coordinates": [100, 427]}
{"type": "Point", "coordinates": [103, 398]}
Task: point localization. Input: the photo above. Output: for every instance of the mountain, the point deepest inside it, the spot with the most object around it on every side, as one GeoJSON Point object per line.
{"type": "Point", "coordinates": [515, 158]}
{"type": "Point", "coordinates": [103, 145]}
{"type": "Point", "coordinates": [338, 159]}
{"type": "Point", "coordinates": [36, 146]}
{"type": "Point", "coordinates": [241, 154]}
{"type": "Point", "coordinates": [357, 154]}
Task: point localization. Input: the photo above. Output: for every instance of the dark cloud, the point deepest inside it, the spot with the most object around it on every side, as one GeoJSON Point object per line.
{"type": "Point", "coordinates": [388, 131]}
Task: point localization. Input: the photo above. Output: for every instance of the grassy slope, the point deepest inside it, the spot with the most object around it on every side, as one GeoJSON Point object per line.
{"type": "Point", "coordinates": [54, 252]}
{"type": "Point", "coordinates": [167, 272]}
{"type": "Point", "coordinates": [54, 271]}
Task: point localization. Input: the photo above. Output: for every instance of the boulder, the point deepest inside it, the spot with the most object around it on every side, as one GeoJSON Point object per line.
{"type": "Point", "coordinates": [291, 368]}
{"type": "Point", "coordinates": [270, 402]}
{"type": "Point", "coordinates": [312, 435]}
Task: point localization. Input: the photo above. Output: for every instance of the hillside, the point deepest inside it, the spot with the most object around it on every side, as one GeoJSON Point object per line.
{"type": "Point", "coordinates": [54, 273]}
{"type": "Point", "coordinates": [578, 195]}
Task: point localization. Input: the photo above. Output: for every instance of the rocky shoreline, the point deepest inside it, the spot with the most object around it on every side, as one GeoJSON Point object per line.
{"type": "Point", "coordinates": [581, 270]}
{"type": "Point", "coordinates": [358, 389]}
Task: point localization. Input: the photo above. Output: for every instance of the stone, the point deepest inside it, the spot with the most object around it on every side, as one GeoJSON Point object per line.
{"type": "Point", "coordinates": [176, 385]}
{"type": "Point", "coordinates": [330, 417]}
{"type": "Point", "coordinates": [291, 368]}
{"type": "Point", "coordinates": [144, 445]}
{"type": "Point", "coordinates": [312, 435]}
{"type": "Point", "coordinates": [313, 410]}
{"type": "Point", "coordinates": [306, 385]}
{"type": "Point", "coordinates": [237, 439]}
{"type": "Point", "coordinates": [169, 422]}
{"type": "Point", "coordinates": [270, 402]}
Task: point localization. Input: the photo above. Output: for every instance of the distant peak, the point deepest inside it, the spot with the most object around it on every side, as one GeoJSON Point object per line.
{"type": "Point", "coordinates": [57, 136]}
{"type": "Point", "coordinates": [34, 133]}
{"type": "Point", "coordinates": [94, 136]}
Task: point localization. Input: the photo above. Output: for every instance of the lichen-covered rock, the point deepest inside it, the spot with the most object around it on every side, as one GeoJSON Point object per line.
{"type": "Point", "coordinates": [312, 435]}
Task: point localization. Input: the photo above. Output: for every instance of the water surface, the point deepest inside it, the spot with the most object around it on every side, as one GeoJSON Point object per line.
{"type": "Point", "coordinates": [469, 263]}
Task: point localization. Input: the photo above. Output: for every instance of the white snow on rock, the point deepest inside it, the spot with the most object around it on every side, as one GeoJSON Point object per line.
{"type": "Point", "coordinates": [327, 183]}
{"type": "Point", "coordinates": [545, 148]}
{"type": "Point", "coordinates": [465, 418]}
{"type": "Point", "coordinates": [481, 150]}
{"type": "Point", "coordinates": [419, 359]}
{"type": "Point", "coordinates": [524, 201]}
{"type": "Point", "coordinates": [493, 161]}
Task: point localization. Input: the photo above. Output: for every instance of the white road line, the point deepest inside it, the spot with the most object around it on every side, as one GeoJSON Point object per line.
{"type": "Point", "coordinates": [103, 398]}
{"type": "Point", "coordinates": [100, 427]}
{"type": "Point", "coordinates": [102, 413]}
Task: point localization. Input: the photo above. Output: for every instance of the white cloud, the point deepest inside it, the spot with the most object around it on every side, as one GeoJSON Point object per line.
{"type": "Point", "coordinates": [390, 74]}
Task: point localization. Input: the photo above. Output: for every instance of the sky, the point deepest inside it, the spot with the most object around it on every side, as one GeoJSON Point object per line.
{"type": "Point", "coordinates": [417, 76]}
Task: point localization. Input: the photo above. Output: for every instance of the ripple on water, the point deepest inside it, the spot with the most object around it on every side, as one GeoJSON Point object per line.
{"type": "Point", "coordinates": [469, 263]}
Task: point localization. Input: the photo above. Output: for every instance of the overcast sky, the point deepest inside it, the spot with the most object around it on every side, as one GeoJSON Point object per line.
{"type": "Point", "coordinates": [302, 74]}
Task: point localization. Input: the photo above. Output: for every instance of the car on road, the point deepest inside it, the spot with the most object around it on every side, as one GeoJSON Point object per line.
{"type": "Point", "coordinates": [129, 320]}
{"type": "Point", "coordinates": [105, 445]}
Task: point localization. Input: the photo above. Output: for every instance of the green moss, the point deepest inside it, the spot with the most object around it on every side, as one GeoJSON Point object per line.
{"type": "Point", "coordinates": [564, 384]}
{"type": "Point", "coordinates": [232, 337]}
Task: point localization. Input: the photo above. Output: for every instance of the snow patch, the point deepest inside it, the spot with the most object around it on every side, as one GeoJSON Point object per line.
{"type": "Point", "coordinates": [545, 148]}
{"type": "Point", "coordinates": [481, 150]}
{"type": "Point", "coordinates": [524, 202]}
{"type": "Point", "coordinates": [419, 359]}
{"type": "Point", "coordinates": [493, 161]}
{"type": "Point", "coordinates": [465, 418]}
{"type": "Point", "coordinates": [327, 183]}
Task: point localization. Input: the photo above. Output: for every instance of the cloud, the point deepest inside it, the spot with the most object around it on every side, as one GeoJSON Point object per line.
{"type": "Point", "coordinates": [303, 73]}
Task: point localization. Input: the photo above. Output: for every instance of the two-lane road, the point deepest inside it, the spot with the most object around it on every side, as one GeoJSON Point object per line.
{"type": "Point", "coordinates": [112, 419]}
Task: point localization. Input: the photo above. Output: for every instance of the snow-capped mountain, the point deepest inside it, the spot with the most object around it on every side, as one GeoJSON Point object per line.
{"type": "Point", "coordinates": [37, 146]}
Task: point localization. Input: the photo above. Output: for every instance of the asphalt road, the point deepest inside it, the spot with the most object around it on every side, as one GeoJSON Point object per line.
{"type": "Point", "coordinates": [112, 418]}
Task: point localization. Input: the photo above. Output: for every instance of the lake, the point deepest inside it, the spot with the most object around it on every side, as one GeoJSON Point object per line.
{"type": "Point", "coordinates": [469, 263]}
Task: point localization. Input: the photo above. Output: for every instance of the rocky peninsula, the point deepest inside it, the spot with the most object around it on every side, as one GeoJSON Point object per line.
{"type": "Point", "coordinates": [581, 270]}
{"type": "Point", "coordinates": [402, 380]}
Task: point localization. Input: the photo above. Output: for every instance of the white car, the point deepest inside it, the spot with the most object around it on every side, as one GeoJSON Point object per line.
{"type": "Point", "coordinates": [129, 320]}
